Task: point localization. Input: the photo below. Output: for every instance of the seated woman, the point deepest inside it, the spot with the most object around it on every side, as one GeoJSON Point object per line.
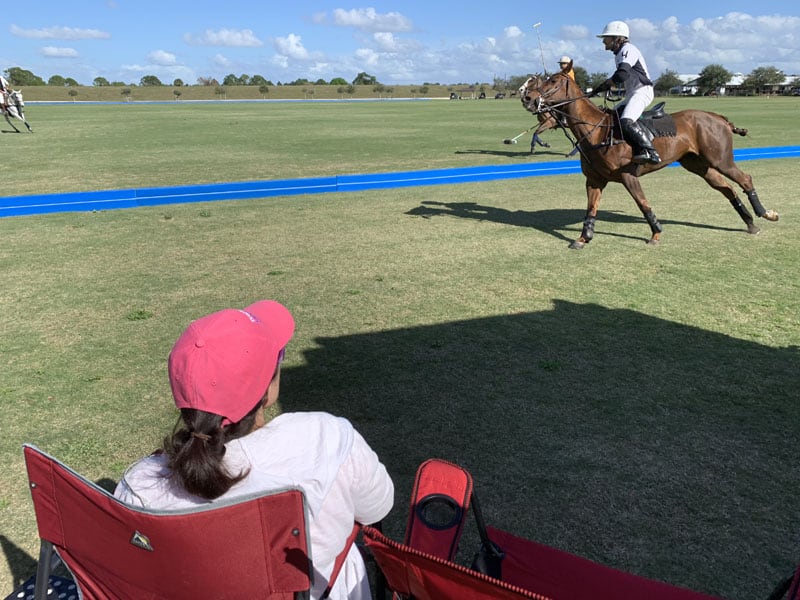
{"type": "Point", "coordinates": [224, 370]}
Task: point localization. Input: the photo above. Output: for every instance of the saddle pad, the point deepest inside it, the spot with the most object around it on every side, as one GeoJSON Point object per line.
{"type": "Point", "coordinates": [663, 126]}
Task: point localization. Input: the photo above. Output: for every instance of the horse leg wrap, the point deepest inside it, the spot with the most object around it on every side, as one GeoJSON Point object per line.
{"type": "Point", "coordinates": [588, 229]}
{"type": "Point", "coordinates": [742, 210]}
{"type": "Point", "coordinates": [655, 226]}
{"type": "Point", "coordinates": [756, 203]}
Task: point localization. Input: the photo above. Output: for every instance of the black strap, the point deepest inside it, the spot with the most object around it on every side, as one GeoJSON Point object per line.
{"type": "Point", "coordinates": [488, 560]}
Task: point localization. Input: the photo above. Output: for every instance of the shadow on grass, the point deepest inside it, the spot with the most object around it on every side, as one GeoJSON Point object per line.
{"type": "Point", "coordinates": [632, 440]}
{"type": "Point", "coordinates": [661, 449]}
{"type": "Point", "coordinates": [521, 151]}
{"type": "Point", "coordinates": [20, 563]}
{"type": "Point", "coordinates": [549, 221]}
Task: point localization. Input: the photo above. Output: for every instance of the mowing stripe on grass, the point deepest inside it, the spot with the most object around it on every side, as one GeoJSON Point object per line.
{"type": "Point", "coordinates": [132, 198]}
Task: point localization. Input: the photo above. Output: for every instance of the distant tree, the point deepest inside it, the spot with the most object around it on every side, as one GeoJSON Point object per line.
{"type": "Point", "coordinates": [338, 81]}
{"type": "Point", "coordinates": [667, 81]}
{"type": "Point", "coordinates": [365, 79]}
{"type": "Point", "coordinates": [126, 92]}
{"type": "Point", "coordinates": [221, 92]}
{"type": "Point", "coordinates": [207, 81]}
{"type": "Point", "coordinates": [423, 90]}
{"type": "Point", "coordinates": [57, 81]}
{"type": "Point", "coordinates": [100, 82]}
{"type": "Point", "coordinates": [713, 77]}
{"type": "Point", "coordinates": [230, 79]}
{"type": "Point", "coordinates": [581, 77]}
{"type": "Point", "coordinates": [340, 91]}
{"type": "Point", "coordinates": [596, 79]}
{"type": "Point", "coordinates": [263, 90]}
{"type": "Point", "coordinates": [71, 82]}
{"type": "Point", "coordinates": [150, 80]}
{"type": "Point", "coordinates": [350, 89]}
{"type": "Point", "coordinates": [18, 77]}
{"type": "Point", "coordinates": [117, 83]}
{"type": "Point", "coordinates": [301, 81]}
{"type": "Point", "coordinates": [379, 89]}
{"type": "Point", "coordinates": [320, 82]}
{"type": "Point", "coordinates": [259, 80]}
{"type": "Point", "coordinates": [177, 94]}
{"type": "Point", "coordinates": [764, 77]}
{"type": "Point", "coordinates": [73, 92]}
{"type": "Point", "coordinates": [178, 83]}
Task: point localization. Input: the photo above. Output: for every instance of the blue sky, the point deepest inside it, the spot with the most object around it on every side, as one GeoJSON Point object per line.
{"type": "Point", "coordinates": [408, 42]}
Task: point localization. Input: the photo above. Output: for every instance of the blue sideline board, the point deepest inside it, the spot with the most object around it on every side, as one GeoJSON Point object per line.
{"type": "Point", "coordinates": [133, 198]}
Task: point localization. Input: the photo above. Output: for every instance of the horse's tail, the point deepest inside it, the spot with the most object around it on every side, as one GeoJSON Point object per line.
{"type": "Point", "coordinates": [735, 129]}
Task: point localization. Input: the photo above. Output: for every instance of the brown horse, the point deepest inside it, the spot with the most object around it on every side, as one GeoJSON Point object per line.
{"type": "Point", "coordinates": [703, 145]}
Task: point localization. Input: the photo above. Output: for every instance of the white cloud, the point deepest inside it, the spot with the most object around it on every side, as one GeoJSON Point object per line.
{"type": "Point", "coordinates": [162, 57]}
{"type": "Point", "coordinates": [292, 47]}
{"type": "Point", "coordinates": [367, 57]}
{"type": "Point", "coordinates": [368, 19]}
{"type": "Point", "coordinates": [60, 33]}
{"type": "Point", "coordinates": [53, 52]}
{"type": "Point", "coordinates": [225, 37]}
{"type": "Point", "coordinates": [513, 32]}
{"type": "Point", "coordinates": [575, 32]}
{"type": "Point", "coordinates": [222, 61]}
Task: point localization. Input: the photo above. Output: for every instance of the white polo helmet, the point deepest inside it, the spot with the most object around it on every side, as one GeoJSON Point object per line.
{"type": "Point", "coordinates": [615, 29]}
{"type": "Point", "coordinates": [564, 60]}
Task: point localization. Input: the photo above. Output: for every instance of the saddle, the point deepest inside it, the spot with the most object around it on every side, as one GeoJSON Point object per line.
{"type": "Point", "coordinates": [658, 122]}
{"type": "Point", "coordinates": [655, 120]}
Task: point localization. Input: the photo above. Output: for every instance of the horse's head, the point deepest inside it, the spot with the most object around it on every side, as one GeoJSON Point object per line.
{"type": "Point", "coordinates": [539, 95]}
{"type": "Point", "coordinates": [527, 91]}
{"type": "Point", "coordinates": [15, 97]}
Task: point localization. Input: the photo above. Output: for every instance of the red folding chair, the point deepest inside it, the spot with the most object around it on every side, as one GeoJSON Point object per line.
{"type": "Point", "coordinates": [253, 547]}
{"type": "Point", "coordinates": [423, 567]}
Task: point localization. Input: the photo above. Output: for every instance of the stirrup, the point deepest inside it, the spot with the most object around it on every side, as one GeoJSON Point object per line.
{"type": "Point", "coordinates": [646, 156]}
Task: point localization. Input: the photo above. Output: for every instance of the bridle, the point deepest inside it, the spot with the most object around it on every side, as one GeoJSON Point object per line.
{"type": "Point", "coordinates": [556, 109]}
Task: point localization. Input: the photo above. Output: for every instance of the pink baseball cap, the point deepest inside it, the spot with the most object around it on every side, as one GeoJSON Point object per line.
{"type": "Point", "coordinates": [223, 362]}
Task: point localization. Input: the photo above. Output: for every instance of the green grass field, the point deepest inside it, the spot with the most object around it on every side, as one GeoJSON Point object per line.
{"type": "Point", "coordinates": [634, 405]}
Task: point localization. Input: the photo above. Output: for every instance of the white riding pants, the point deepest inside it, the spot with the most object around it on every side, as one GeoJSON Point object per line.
{"type": "Point", "coordinates": [638, 100]}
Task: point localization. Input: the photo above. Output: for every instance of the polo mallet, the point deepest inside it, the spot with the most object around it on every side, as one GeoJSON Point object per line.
{"type": "Point", "coordinates": [541, 50]}
{"type": "Point", "coordinates": [514, 139]}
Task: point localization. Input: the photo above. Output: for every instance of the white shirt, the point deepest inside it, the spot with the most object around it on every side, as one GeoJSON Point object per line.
{"type": "Point", "coordinates": [341, 476]}
{"type": "Point", "coordinates": [638, 76]}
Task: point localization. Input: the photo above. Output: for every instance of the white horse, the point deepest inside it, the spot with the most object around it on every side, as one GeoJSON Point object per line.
{"type": "Point", "coordinates": [13, 107]}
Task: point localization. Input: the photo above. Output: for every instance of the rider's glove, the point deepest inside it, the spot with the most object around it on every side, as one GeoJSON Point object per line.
{"type": "Point", "coordinates": [603, 87]}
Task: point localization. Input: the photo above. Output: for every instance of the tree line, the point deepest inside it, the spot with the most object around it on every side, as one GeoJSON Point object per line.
{"type": "Point", "coordinates": [19, 77]}
{"type": "Point", "coordinates": [711, 78]}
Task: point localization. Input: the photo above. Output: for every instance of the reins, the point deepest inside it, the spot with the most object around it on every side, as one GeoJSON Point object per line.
{"type": "Point", "coordinates": [557, 110]}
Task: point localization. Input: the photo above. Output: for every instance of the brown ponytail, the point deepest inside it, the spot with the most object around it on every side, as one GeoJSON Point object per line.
{"type": "Point", "coordinates": [196, 450]}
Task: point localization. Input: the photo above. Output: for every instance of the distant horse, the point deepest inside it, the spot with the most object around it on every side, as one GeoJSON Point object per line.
{"type": "Point", "coordinates": [702, 142]}
{"type": "Point", "coordinates": [14, 107]}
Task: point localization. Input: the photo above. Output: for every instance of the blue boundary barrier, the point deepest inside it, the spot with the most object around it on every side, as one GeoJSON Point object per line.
{"type": "Point", "coordinates": [133, 198]}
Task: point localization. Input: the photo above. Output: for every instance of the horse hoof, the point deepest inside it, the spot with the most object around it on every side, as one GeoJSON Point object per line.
{"type": "Point", "coordinates": [577, 245]}
{"type": "Point", "coordinates": [653, 242]}
{"type": "Point", "coordinates": [770, 215]}
{"type": "Point", "coordinates": [753, 230]}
